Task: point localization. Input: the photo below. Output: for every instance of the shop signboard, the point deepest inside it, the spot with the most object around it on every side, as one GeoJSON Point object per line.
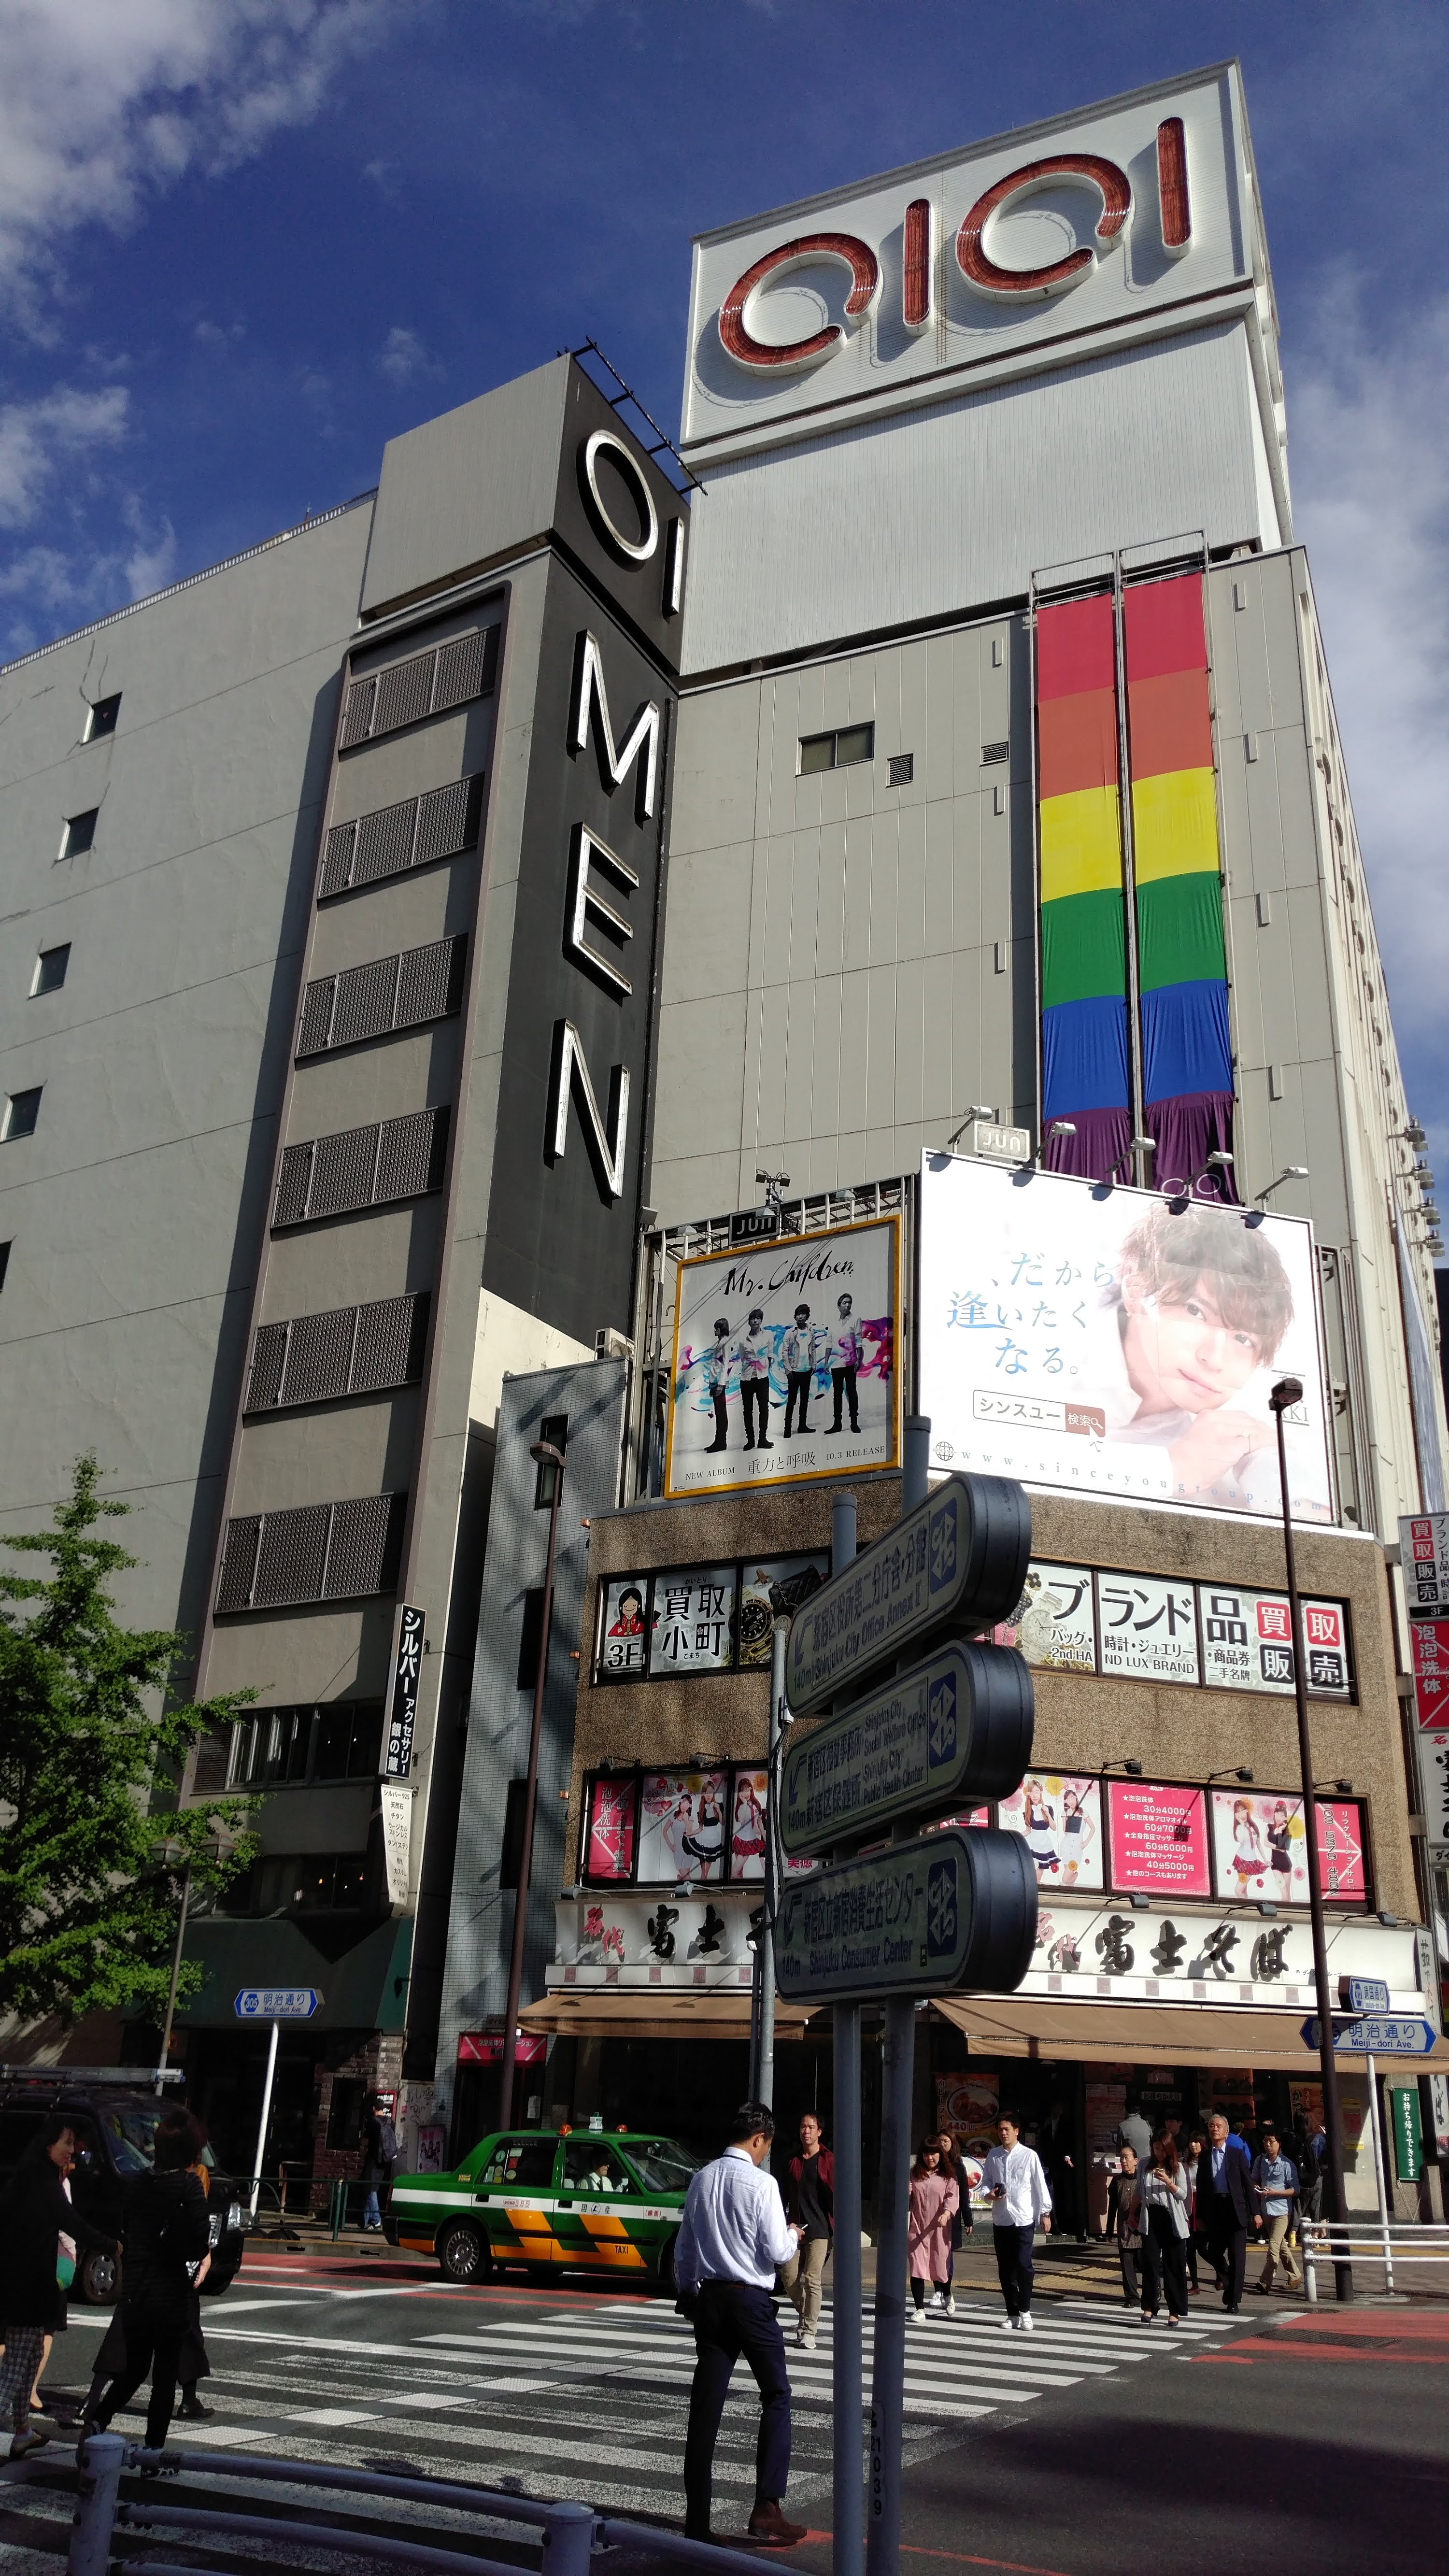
{"type": "Point", "coordinates": [1424, 1557]}
{"type": "Point", "coordinates": [786, 1361]}
{"type": "Point", "coordinates": [406, 1681]}
{"type": "Point", "coordinates": [918, 1918]}
{"type": "Point", "coordinates": [1054, 1624]}
{"type": "Point", "coordinates": [959, 1723]}
{"type": "Point", "coordinates": [1159, 1839]}
{"type": "Point", "coordinates": [1434, 1794]}
{"type": "Point", "coordinates": [1061, 1819]}
{"type": "Point", "coordinates": [1429, 1646]}
{"type": "Point", "coordinates": [1247, 1641]}
{"type": "Point", "coordinates": [1408, 2128]}
{"type": "Point", "coordinates": [959, 1558]}
{"type": "Point", "coordinates": [1149, 1629]}
{"type": "Point", "coordinates": [1118, 1343]}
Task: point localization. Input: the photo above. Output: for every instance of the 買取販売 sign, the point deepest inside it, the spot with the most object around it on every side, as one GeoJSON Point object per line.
{"type": "Point", "coordinates": [959, 1724]}
{"type": "Point", "coordinates": [918, 1918]}
{"type": "Point", "coordinates": [960, 1555]}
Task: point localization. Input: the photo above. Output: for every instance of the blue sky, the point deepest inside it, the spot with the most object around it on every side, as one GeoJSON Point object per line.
{"type": "Point", "coordinates": [242, 242]}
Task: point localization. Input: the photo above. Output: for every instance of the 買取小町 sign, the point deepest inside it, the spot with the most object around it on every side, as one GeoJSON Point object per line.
{"type": "Point", "coordinates": [961, 1554]}
{"type": "Point", "coordinates": [957, 1725]}
{"type": "Point", "coordinates": [277, 2003]}
{"type": "Point", "coordinates": [919, 1918]}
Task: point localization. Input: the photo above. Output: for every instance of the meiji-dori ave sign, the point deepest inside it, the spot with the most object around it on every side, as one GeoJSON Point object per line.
{"type": "Point", "coordinates": [958, 1725]}
{"type": "Point", "coordinates": [953, 1909]}
{"type": "Point", "coordinates": [961, 1556]}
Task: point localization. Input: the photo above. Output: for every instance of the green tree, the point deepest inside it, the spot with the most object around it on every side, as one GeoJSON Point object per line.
{"type": "Point", "coordinates": [93, 1842]}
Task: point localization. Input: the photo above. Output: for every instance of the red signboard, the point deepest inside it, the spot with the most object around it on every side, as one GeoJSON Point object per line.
{"type": "Point", "coordinates": [485, 2048]}
{"type": "Point", "coordinates": [1341, 1857]}
{"type": "Point", "coordinates": [1431, 1671]}
{"type": "Point", "coordinates": [1159, 1838]}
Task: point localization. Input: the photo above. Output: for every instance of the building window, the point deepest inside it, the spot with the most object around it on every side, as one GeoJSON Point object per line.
{"type": "Point", "coordinates": [102, 717]}
{"type": "Point", "coordinates": [366, 1002]}
{"type": "Point", "coordinates": [50, 970]}
{"type": "Point", "coordinates": [360, 1167]}
{"type": "Point", "coordinates": [900, 769]}
{"type": "Point", "coordinates": [315, 1552]}
{"type": "Point", "coordinates": [350, 1350]}
{"type": "Point", "coordinates": [275, 1746]}
{"type": "Point", "coordinates": [397, 837]}
{"type": "Point", "coordinates": [554, 1428]}
{"type": "Point", "coordinates": [5, 1250]}
{"type": "Point", "coordinates": [79, 833]}
{"type": "Point", "coordinates": [994, 751]}
{"type": "Point", "coordinates": [840, 750]}
{"type": "Point", "coordinates": [425, 685]}
{"type": "Point", "coordinates": [22, 1109]}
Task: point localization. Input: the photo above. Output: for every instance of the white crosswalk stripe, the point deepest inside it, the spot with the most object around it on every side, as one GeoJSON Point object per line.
{"type": "Point", "coordinates": [590, 2402]}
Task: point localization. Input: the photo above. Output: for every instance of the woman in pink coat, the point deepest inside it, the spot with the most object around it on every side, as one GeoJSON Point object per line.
{"type": "Point", "coordinates": [935, 2198]}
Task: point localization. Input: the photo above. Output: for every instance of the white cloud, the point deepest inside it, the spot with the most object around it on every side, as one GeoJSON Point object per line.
{"type": "Point", "coordinates": [1371, 476]}
{"type": "Point", "coordinates": [38, 439]}
{"type": "Point", "coordinates": [403, 356]}
{"type": "Point", "coordinates": [104, 103]}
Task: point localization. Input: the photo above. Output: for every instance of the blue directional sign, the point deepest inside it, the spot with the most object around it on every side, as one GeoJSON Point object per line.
{"type": "Point", "coordinates": [1378, 2035]}
{"type": "Point", "coordinates": [1363, 1994]}
{"type": "Point", "coordinates": [277, 2003]}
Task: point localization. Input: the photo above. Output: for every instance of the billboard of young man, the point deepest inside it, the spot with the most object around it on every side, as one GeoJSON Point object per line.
{"type": "Point", "coordinates": [1115, 1342]}
{"type": "Point", "coordinates": [785, 1361]}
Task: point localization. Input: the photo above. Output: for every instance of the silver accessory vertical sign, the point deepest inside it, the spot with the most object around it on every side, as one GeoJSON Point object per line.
{"type": "Point", "coordinates": [403, 1710]}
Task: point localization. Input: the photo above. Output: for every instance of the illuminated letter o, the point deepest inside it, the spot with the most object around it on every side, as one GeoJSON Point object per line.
{"type": "Point", "coordinates": [736, 337]}
{"type": "Point", "coordinates": [638, 551]}
{"type": "Point", "coordinates": [1028, 284]}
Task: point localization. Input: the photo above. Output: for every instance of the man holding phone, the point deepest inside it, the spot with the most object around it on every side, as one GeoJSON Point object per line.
{"type": "Point", "coordinates": [1019, 2198]}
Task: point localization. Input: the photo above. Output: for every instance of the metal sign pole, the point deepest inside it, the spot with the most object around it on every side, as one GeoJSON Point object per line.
{"type": "Point", "coordinates": [848, 2503]}
{"type": "Point", "coordinates": [266, 2115]}
{"type": "Point", "coordinates": [888, 2375]}
{"type": "Point", "coordinates": [765, 2071]}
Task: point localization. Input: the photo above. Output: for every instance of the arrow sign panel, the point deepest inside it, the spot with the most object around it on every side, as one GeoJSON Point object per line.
{"type": "Point", "coordinates": [1378, 2035]}
{"type": "Point", "coordinates": [959, 1558]}
{"type": "Point", "coordinates": [958, 1725]}
{"type": "Point", "coordinates": [920, 1918]}
{"type": "Point", "coordinates": [277, 2003]}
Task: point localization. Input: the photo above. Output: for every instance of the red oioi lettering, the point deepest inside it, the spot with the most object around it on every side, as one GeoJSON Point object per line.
{"type": "Point", "coordinates": [983, 272]}
{"type": "Point", "coordinates": [1172, 196]}
{"type": "Point", "coordinates": [734, 316]}
{"type": "Point", "coordinates": [916, 265]}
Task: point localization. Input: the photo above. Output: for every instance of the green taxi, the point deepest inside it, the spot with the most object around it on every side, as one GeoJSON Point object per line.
{"type": "Point", "coordinates": [605, 2201]}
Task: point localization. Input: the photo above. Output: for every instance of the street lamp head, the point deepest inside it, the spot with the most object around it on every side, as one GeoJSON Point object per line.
{"type": "Point", "coordinates": [1288, 1391]}
{"type": "Point", "coordinates": [546, 1454]}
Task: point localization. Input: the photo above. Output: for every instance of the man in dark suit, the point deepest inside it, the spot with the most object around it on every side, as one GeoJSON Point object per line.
{"type": "Point", "coordinates": [1225, 2208]}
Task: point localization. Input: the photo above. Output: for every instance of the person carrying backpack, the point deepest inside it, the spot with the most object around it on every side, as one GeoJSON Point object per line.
{"type": "Point", "coordinates": [379, 2159]}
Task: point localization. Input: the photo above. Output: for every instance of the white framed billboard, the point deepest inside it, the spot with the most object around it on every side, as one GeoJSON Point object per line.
{"type": "Point", "coordinates": [785, 1363]}
{"type": "Point", "coordinates": [1112, 1342]}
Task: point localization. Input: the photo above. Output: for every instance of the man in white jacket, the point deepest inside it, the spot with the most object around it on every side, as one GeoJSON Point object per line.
{"type": "Point", "coordinates": [1013, 2175]}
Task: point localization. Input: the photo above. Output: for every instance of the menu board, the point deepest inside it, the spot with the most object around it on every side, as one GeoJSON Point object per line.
{"type": "Point", "coordinates": [1061, 1819]}
{"type": "Point", "coordinates": [1148, 1627]}
{"type": "Point", "coordinates": [1159, 1838]}
{"type": "Point", "coordinates": [693, 1621]}
{"type": "Point", "coordinates": [623, 1626]}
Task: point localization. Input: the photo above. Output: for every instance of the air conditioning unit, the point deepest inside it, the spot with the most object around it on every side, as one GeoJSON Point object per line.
{"type": "Point", "coordinates": [611, 1344]}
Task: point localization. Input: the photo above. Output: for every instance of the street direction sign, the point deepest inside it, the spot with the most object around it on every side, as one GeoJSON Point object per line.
{"type": "Point", "coordinates": [1378, 2035]}
{"type": "Point", "coordinates": [961, 1556]}
{"type": "Point", "coordinates": [1363, 1994]}
{"type": "Point", "coordinates": [958, 1725]}
{"type": "Point", "coordinates": [277, 2003]}
{"type": "Point", "coordinates": [920, 1918]}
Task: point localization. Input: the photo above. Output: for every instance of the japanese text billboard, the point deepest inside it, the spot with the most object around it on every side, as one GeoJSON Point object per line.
{"type": "Point", "coordinates": [785, 1361]}
{"type": "Point", "coordinates": [1114, 1342]}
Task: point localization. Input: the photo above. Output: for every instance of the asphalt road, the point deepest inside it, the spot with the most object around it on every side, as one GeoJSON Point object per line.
{"type": "Point", "coordinates": [1286, 2441]}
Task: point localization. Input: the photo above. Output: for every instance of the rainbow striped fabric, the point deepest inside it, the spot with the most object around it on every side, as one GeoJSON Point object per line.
{"type": "Point", "coordinates": [1182, 967]}
{"type": "Point", "coordinates": [1083, 945]}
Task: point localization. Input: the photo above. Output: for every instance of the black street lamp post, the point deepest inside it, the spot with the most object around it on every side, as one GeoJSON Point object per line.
{"type": "Point", "coordinates": [547, 1456]}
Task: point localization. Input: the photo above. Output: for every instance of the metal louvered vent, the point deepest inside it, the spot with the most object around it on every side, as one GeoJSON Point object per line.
{"type": "Point", "coordinates": [351, 1350]}
{"type": "Point", "coordinates": [991, 751]}
{"type": "Point", "coordinates": [413, 834]}
{"type": "Point", "coordinates": [362, 1167]}
{"type": "Point", "coordinates": [388, 993]}
{"type": "Point", "coordinates": [426, 684]}
{"type": "Point", "coordinates": [321, 1552]}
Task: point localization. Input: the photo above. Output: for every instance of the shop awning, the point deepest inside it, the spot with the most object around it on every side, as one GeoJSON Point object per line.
{"type": "Point", "coordinates": [1148, 2034]}
{"type": "Point", "coordinates": [656, 2014]}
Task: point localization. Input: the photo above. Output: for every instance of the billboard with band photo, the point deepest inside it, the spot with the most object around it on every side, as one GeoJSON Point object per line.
{"type": "Point", "coordinates": [786, 1361]}
{"type": "Point", "coordinates": [1116, 1341]}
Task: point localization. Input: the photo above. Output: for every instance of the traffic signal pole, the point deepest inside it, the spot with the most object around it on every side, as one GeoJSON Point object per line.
{"type": "Point", "coordinates": [888, 2377]}
{"type": "Point", "coordinates": [848, 2514]}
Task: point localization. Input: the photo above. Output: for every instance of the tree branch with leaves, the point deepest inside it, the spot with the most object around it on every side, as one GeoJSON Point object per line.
{"type": "Point", "coordinates": [94, 1842]}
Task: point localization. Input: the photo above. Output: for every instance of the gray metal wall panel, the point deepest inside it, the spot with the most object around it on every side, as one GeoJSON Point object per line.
{"type": "Point", "coordinates": [930, 512]}
{"type": "Point", "coordinates": [439, 509]}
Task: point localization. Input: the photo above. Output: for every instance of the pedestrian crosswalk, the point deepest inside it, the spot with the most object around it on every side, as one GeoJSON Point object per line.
{"type": "Point", "coordinates": [589, 2400]}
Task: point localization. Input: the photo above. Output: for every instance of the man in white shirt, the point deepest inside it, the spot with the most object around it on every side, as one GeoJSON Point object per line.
{"type": "Point", "coordinates": [797, 1351]}
{"type": "Point", "coordinates": [1013, 2175]}
{"type": "Point", "coordinates": [732, 2239]}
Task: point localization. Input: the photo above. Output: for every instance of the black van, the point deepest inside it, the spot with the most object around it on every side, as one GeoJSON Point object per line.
{"type": "Point", "coordinates": [115, 2135]}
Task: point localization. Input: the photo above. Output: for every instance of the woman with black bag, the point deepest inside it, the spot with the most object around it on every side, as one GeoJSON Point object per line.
{"type": "Point", "coordinates": [167, 2239]}
{"type": "Point", "coordinates": [34, 2215]}
{"type": "Point", "coordinates": [193, 2362]}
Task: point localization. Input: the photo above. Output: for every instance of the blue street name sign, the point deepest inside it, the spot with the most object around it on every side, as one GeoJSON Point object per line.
{"type": "Point", "coordinates": [277, 2003]}
{"type": "Point", "coordinates": [957, 1726]}
{"type": "Point", "coordinates": [1378, 2035]}
{"type": "Point", "coordinates": [960, 1556]}
{"type": "Point", "coordinates": [951, 1909]}
{"type": "Point", "coordinates": [1363, 1994]}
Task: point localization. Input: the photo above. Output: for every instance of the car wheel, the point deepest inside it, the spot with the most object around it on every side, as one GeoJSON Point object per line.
{"type": "Point", "coordinates": [98, 2278]}
{"type": "Point", "coordinates": [462, 2254]}
{"type": "Point", "coordinates": [666, 2261]}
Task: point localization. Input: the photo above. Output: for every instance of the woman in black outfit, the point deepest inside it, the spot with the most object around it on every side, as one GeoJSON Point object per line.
{"type": "Point", "coordinates": [166, 2229]}
{"type": "Point", "coordinates": [34, 2215]}
{"type": "Point", "coordinates": [193, 2363]}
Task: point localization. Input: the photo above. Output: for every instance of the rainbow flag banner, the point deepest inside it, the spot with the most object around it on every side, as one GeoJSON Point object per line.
{"type": "Point", "coordinates": [1187, 1073]}
{"type": "Point", "coordinates": [1083, 938]}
